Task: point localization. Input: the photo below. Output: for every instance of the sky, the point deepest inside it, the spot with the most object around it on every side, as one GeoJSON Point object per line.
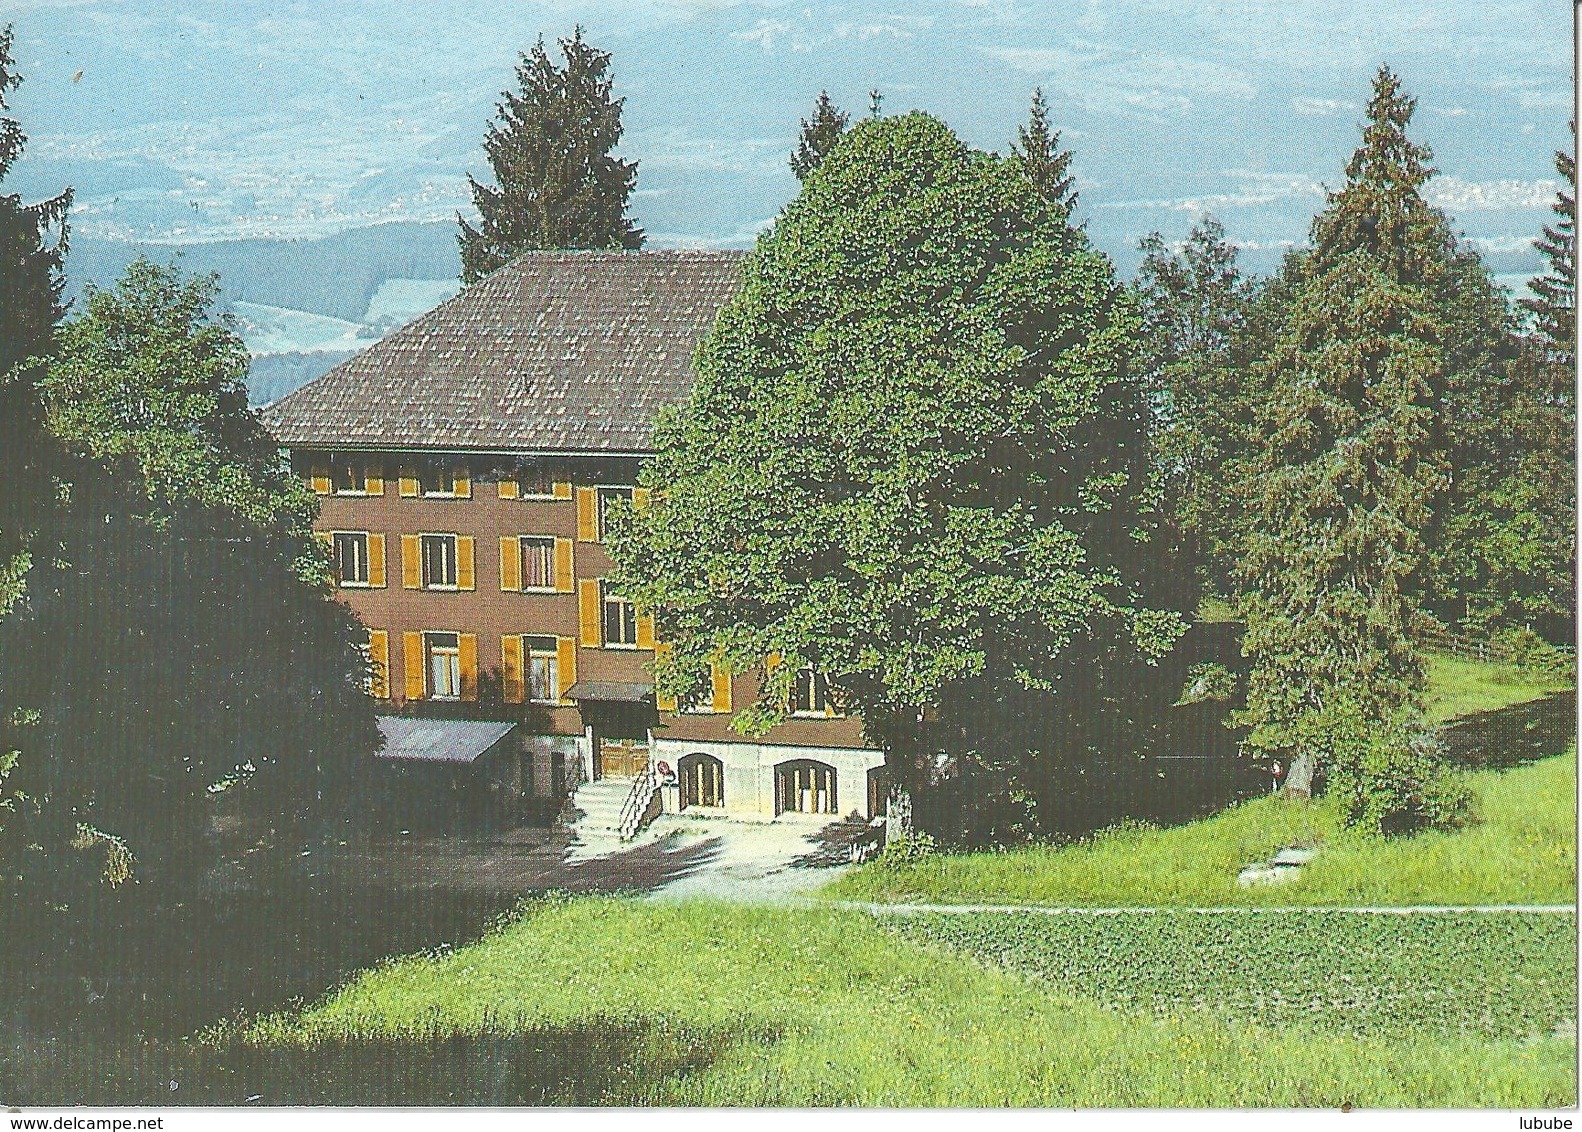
{"type": "Point", "coordinates": [225, 119]}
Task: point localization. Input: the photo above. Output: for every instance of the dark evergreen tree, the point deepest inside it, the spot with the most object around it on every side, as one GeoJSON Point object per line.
{"type": "Point", "coordinates": [33, 240]}
{"type": "Point", "coordinates": [1340, 481]}
{"type": "Point", "coordinates": [819, 135]}
{"type": "Point", "coordinates": [1049, 166]}
{"type": "Point", "coordinates": [32, 250]}
{"type": "Point", "coordinates": [1553, 306]}
{"type": "Point", "coordinates": [557, 183]}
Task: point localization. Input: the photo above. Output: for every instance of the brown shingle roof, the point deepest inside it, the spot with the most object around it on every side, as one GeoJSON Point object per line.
{"type": "Point", "coordinates": [554, 352]}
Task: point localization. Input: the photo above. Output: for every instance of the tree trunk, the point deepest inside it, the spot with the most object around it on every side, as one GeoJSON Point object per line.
{"type": "Point", "coordinates": [1299, 777]}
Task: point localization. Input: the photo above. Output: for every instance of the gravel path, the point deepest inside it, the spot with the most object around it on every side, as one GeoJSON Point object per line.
{"type": "Point", "coordinates": [879, 908]}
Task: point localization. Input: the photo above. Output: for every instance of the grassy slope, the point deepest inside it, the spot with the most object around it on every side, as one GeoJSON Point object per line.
{"type": "Point", "coordinates": [827, 1007]}
{"type": "Point", "coordinates": [1461, 687]}
{"type": "Point", "coordinates": [1522, 850]}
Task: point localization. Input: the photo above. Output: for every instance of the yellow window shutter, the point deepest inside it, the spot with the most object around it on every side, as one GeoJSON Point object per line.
{"type": "Point", "coordinates": [640, 498]}
{"type": "Point", "coordinates": [564, 578]}
{"type": "Point", "coordinates": [509, 489]}
{"type": "Point", "coordinates": [320, 479]}
{"type": "Point", "coordinates": [408, 483]}
{"type": "Point", "coordinates": [566, 662]}
{"type": "Point", "coordinates": [379, 664]}
{"type": "Point", "coordinates": [463, 480]}
{"type": "Point", "coordinates": [376, 561]}
{"type": "Point", "coordinates": [645, 630]}
{"type": "Point", "coordinates": [662, 701]}
{"type": "Point", "coordinates": [721, 681]}
{"type": "Point", "coordinates": [588, 613]}
{"type": "Point", "coordinates": [561, 490]}
{"type": "Point", "coordinates": [511, 669]}
{"type": "Point", "coordinates": [466, 574]}
{"type": "Point", "coordinates": [772, 662]}
{"type": "Point", "coordinates": [412, 654]}
{"type": "Point", "coordinates": [374, 479]}
{"type": "Point", "coordinates": [469, 665]}
{"type": "Point", "coordinates": [326, 540]}
{"type": "Point", "coordinates": [510, 566]}
{"type": "Point", "coordinates": [411, 563]}
{"type": "Point", "coordinates": [587, 515]}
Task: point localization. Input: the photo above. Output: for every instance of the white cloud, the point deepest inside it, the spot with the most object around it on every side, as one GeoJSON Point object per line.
{"type": "Point", "coordinates": [1458, 195]}
{"type": "Point", "coordinates": [1501, 243]}
{"type": "Point", "coordinates": [1322, 107]}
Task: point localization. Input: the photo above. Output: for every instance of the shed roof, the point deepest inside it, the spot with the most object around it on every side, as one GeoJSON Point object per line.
{"type": "Point", "coordinates": [456, 741]}
{"type": "Point", "coordinates": [554, 352]}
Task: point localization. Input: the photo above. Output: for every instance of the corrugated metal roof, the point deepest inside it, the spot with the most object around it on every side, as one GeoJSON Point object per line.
{"type": "Point", "coordinates": [458, 741]}
{"type": "Point", "coordinates": [554, 352]}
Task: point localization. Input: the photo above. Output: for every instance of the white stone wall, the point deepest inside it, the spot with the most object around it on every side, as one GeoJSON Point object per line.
{"type": "Point", "coordinates": [750, 774]}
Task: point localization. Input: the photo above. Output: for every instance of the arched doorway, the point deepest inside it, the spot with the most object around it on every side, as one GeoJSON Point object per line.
{"type": "Point", "coordinates": [702, 780]}
{"type": "Point", "coordinates": [805, 787]}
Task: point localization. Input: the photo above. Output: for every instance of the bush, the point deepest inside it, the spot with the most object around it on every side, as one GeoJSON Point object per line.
{"type": "Point", "coordinates": [1395, 783]}
{"type": "Point", "coordinates": [1529, 653]}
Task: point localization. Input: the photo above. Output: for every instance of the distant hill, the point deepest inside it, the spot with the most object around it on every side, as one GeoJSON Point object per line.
{"type": "Point", "coordinates": [334, 275]}
{"type": "Point", "coordinates": [272, 376]}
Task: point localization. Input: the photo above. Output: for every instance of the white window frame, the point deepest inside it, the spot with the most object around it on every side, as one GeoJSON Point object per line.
{"type": "Point", "coordinates": [607, 599]}
{"type": "Point", "coordinates": [444, 469]}
{"type": "Point", "coordinates": [351, 463]}
{"type": "Point", "coordinates": [455, 561]}
{"type": "Point", "coordinates": [335, 545]}
{"type": "Point", "coordinates": [452, 654]}
{"type": "Point", "coordinates": [603, 491]}
{"type": "Point", "coordinates": [547, 654]}
{"type": "Point", "coordinates": [521, 558]}
{"type": "Point", "coordinates": [827, 710]}
{"type": "Point", "coordinates": [549, 484]}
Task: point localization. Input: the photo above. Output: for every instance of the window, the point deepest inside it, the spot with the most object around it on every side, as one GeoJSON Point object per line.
{"type": "Point", "coordinates": [439, 562]}
{"type": "Point", "coordinates": [437, 479]}
{"type": "Point", "coordinates": [538, 563]}
{"type": "Point", "coordinates": [810, 694]}
{"type": "Point", "coordinates": [620, 620]}
{"type": "Point", "coordinates": [444, 665]}
{"type": "Point", "coordinates": [351, 558]}
{"type": "Point", "coordinates": [351, 475]}
{"type": "Point", "coordinates": [535, 481]}
{"type": "Point", "coordinates": [543, 669]}
{"type": "Point", "coordinates": [608, 495]}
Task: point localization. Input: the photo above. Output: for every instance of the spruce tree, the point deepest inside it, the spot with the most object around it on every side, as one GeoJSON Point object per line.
{"type": "Point", "coordinates": [819, 135]}
{"type": "Point", "coordinates": [1340, 480]}
{"type": "Point", "coordinates": [1045, 163]}
{"type": "Point", "coordinates": [1554, 305]}
{"type": "Point", "coordinates": [557, 184]}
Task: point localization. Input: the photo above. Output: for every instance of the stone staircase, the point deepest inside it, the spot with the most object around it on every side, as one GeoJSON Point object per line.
{"type": "Point", "coordinates": [600, 803]}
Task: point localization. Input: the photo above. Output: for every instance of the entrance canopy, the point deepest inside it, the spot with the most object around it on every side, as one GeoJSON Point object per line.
{"type": "Point", "coordinates": [609, 692]}
{"type": "Point", "coordinates": [458, 742]}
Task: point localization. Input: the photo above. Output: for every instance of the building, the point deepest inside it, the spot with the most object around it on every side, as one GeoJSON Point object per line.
{"type": "Point", "coordinates": [466, 464]}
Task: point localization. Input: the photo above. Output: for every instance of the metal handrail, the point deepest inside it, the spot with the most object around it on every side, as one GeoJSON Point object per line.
{"type": "Point", "coordinates": [635, 808]}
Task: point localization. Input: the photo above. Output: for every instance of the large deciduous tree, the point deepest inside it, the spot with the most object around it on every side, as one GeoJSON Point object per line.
{"type": "Point", "coordinates": [189, 634]}
{"type": "Point", "coordinates": [558, 184]}
{"type": "Point", "coordinates": [1196, 305]}
{"type": "Point", "coordinates": [915, 458]}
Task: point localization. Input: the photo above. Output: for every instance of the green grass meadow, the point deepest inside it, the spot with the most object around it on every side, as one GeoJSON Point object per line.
{"type": "Point", "coordinates": [835, 1007]}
